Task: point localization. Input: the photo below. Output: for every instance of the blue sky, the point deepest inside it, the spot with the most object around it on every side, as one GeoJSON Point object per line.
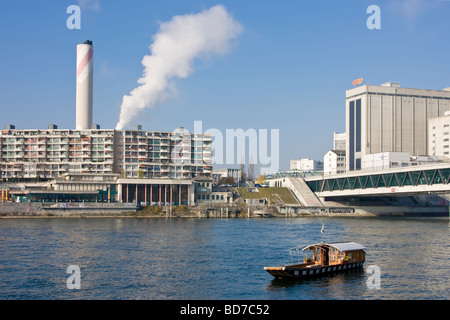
{"type": "Point", "coordinates": [288, 70]}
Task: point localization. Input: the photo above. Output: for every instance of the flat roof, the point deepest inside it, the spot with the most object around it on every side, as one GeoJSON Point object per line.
{"type": "Point", "coordinates": [397, 91]}
{"type": "Point", "coordinates": [154, 181]}
{"type": "Point", "coordinates": [341, 246]}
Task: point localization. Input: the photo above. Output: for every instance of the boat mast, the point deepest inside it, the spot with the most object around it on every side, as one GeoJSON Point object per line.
{"type": "Point", "coordinates": [322, 230]}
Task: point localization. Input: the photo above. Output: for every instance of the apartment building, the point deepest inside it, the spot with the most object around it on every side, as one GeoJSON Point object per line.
{"type": "Point", "coordinates": [46, 154]}
{"type": "Point", "coordinates": [154, 154]}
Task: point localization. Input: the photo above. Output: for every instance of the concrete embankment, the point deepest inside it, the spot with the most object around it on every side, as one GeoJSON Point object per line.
{"type": "Point", "coordinates": [65, 210]}
{"type": "Point", "coordinates": [37, 209]}
{"type": "Point", "coordinates": [400, 211]}
{"type": "Point", "coordinates": [374, 211]}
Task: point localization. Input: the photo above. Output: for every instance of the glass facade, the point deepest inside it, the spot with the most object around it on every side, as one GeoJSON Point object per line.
{"type": "Point", "coordinates": [351, 137]}
{"type": "Point", "coordinates": [354, 133]}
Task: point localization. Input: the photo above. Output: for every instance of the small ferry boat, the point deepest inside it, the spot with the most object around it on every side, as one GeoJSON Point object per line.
{"type": "Point", "coordinates": [324, 258]}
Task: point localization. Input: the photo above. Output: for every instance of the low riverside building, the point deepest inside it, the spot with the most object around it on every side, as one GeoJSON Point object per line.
{"type": "Point", "coordinates": [160, 192]}
{"type": "Point", "coordinates": [206, 193]}
{"type": "Point", "coordinates": [91, 187]}
{"type": "Point", "coordinates": [74, 187]}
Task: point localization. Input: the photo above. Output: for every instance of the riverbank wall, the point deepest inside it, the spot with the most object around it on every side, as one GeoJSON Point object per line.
{"type": "Point", "coordinates": [376, 211]}
{"type": "Point", "coordinates": [42, 210]}
{"type": "Point", "coordinates": [37, 209]}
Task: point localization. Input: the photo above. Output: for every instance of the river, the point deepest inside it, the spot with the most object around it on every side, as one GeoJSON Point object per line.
{"type": "Point", "coordinates": [216, 259]}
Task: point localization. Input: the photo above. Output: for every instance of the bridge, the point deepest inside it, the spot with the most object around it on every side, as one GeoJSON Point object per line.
{"type": "Point", "coordinates": [399, 181]}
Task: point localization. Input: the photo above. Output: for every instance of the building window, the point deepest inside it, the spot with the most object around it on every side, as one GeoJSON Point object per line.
{"type": "Point", "coordinates": [358, 125]}
{"type": "Point", "coordinates": [352, 133]}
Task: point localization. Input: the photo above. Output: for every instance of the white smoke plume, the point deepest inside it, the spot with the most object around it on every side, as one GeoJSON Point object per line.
{"type": "Point", "coordinates": [174, 49]}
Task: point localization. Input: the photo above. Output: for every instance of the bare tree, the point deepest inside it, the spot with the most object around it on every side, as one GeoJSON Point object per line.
{"type": "Point", "coordinates": [251, 173]}
{"type": "Point", "coordinates": [242, 168]}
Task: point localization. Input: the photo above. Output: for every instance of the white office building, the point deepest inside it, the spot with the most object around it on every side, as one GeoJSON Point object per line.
{"type": "Point", "coordinates": [339, 141]}
{"type": "Point", "coordinates": [334, 162]}
{"type": "Point", "coordinates": [306, 164]}
{"type": "Point", "coordinates": [439, 136]}
{"type": "Point", "coordinates": [389, 118]}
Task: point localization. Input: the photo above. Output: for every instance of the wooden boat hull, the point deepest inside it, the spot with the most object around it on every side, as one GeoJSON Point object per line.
{"type": "Point", "coordinates": [311, 271]}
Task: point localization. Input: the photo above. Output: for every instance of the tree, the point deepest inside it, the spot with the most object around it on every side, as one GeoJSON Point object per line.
{"type": "Point", "coordinates": [242, 168]}
{"type": "Point", "coordinates": [251, 171]}
{"type": "Point", "coordinates": [228, 180]}
{"type": "Point", "coordinates": [261, 179]}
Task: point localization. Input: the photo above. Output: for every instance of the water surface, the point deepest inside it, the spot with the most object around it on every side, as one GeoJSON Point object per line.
{"type": "Point", "coordinates": [165, 259]}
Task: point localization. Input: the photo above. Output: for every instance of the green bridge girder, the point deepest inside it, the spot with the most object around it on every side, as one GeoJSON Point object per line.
{"type": "Point", "coordinates": [382, 180]}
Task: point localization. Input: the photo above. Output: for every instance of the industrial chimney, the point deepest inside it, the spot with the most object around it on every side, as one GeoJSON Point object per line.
{"type": "Point", "coordinates": [85, 52]}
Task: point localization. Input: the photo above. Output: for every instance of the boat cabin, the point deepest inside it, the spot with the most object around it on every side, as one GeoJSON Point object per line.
{"type": "Point", "coordinates": [334, 253]}
{"type": "Point", "coordinates": [323, 258]}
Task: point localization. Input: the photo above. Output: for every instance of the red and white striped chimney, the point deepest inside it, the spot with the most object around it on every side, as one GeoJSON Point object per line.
{"type": "Point", "coordinates": [85, 52]}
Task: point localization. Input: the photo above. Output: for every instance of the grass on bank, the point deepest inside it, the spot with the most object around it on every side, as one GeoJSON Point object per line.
{"type": "Point", "coordinates": [150, 211]}
{"type": "Point", "coordinates": [269, 193]}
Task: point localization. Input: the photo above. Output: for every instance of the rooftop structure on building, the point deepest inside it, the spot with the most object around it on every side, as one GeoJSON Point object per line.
{"type": "Point", "coordinates": [305, 164]}
{"type": "Point", "coordinates": [385, 160]}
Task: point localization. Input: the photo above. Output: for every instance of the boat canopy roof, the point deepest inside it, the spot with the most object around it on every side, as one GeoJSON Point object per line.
{"type": "Point", "coordinates": [341, 246]}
